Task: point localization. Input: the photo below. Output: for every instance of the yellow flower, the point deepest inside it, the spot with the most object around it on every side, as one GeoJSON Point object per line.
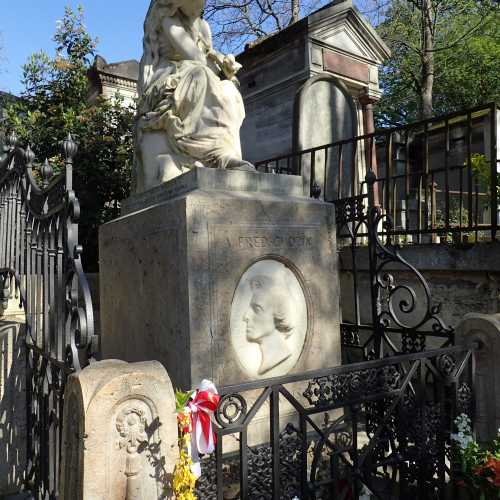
{"type": "Point", "coordinates": [184, 480]}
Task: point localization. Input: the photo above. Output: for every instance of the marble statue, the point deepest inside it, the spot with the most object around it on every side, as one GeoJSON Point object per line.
{"type": "Point", "coordinates": [268, 321]}
{"type": "Point", "coordinates": [190, 109]}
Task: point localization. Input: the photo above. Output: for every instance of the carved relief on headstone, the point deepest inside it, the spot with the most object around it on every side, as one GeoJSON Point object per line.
{"type": "Point", "coordinates": [120, 433]}
{"type": "Point", "coordinates": [133, 418]}
{"type": "Point", "coordinates": [268, 319]}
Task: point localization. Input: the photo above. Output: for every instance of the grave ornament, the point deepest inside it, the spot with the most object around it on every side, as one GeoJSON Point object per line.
{"type": "Point", "coordinates": [190, 109]}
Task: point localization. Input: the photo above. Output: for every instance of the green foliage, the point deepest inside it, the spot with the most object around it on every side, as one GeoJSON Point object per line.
{"type": "Point", "coordinates": [466, 58]}
{"type": "Point", "coordinates": [181, 400]}
{"type": "Point", "coordinates": [481, 172]}
{"type": "Point", "coordinates": [55, 102]}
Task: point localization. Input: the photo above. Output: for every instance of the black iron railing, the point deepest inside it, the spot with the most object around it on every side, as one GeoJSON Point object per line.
{"type": "Point", "coordinates": [40, 262]}
{"type": "Point", "coordinates": [387, 305]}
{"type": "Point", "coordinates": [437, 178]}
{"type": "Point", "coordinates": [383, 425]}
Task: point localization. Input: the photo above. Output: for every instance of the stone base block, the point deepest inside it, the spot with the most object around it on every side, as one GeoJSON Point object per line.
{"type": "Point", "coordinates": [120, 433]}
{"type": "Point", "coordinates": [230, 276]}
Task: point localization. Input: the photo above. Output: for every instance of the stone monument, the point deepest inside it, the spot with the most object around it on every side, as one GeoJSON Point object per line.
{"type": "Point", "coordinates": [119, 433]}
{"type": "Point", "coordinates": [219, 273]}
{"type": "Point", "coordinates": [189, 109]}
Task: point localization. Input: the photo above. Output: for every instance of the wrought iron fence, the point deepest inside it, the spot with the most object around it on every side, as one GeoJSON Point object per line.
{"type": "Point", "coordinates": [40, 263]}
{"type": "Point", "coordinates": [399, 314]}
{"type": "Point", "coordinates": [383, 425]}
{"type": "Point", "coordinates": [437, 178]}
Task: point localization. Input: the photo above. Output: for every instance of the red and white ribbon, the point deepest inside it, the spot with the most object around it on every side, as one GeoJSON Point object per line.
{"type": "Point", "coordinates": [201, 408]}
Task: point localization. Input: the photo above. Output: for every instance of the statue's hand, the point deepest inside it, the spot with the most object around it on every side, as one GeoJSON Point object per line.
{"type": "Point", "coordinates": [230, 67]}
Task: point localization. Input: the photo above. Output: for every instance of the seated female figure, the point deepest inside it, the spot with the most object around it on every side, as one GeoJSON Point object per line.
{"type": "Point", "coordinates": [190, 110]}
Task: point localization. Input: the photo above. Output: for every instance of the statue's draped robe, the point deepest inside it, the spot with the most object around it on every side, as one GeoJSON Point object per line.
{"type": "Point", "coordinates": [200, 113]}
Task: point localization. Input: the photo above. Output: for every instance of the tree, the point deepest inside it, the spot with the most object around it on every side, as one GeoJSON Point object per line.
{"type": "Point", "coordinates": [54, 102]}
{"type": "Point", "coordinates": [438, 46]}
{"type": "Point", "coordinates": [237, 22]}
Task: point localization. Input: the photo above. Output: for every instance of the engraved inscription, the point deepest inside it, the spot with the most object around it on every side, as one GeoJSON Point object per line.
{"type": "Point", "coordinates": [279, 241]}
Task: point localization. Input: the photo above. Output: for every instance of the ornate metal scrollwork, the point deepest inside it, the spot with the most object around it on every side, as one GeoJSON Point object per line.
{"type": "Point", "coordinates": [446, 364]}
{"type": "Point", "coordinates": [39, 227]}
{"type": "Point", "coordinates": [350, 210]}
{"type": "Point", "coordinates": [401, 299]}
{"type": "Point", "coordinates": [231, 410]}
{"type": "Point", "coordinates": [413, 342]}
{"type": "Point", "coordinates": [464, 399]}
{"type": "Point", "coordinates": [259, 478]}
{"type": "Point", "coordinates": [349, 335]}
{"type": "Point", "coordinates": [328, 390]}
{"type": "Point", "coordinates": [399, 307]}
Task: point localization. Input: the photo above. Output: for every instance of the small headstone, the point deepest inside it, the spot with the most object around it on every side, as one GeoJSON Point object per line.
{"type": "Point", "coordinates": [120, 433]}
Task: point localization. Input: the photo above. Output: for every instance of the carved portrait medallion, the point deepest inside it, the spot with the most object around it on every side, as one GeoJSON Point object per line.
{"type": "Point", "coordinates": [268, 319]}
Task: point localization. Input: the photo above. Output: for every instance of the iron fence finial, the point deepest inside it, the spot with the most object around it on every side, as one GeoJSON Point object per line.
{"type": "Point", "coordinates": [11, 139]}
{"type": "Point", "coordinates": [70, 148]}
{"type": "Point", "coordinates": [46, 171]}
{"type": "Point", "coordinates": [29, 156]}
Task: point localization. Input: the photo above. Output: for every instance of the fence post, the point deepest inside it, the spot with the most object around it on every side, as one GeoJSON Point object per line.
{"type": "Point", "coordinates": [494, 173]}
{"type": "Point", "coordinates": [372, 223]}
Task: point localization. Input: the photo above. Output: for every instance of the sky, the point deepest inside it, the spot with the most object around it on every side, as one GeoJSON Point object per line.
{"type": "Point", "coordinates": [27, 26]}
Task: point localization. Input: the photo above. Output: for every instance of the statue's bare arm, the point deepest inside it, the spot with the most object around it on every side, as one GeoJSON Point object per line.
{"type": "Point", "coordinates": [181, 40]}
{"type": "Point", "coordinates": [226, 63]}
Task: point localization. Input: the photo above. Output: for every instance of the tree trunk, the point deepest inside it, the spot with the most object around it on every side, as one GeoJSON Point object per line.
{"type": "Point", "coordinates": [426, 110]}
{"type": "Point", "coordinates": [295, 11]}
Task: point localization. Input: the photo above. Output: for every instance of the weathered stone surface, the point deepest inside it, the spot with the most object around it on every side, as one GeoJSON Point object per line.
{"type": "Point", "coordinates": [483, 331]}
{"type": "Point", "coordinates": [214, 180]}
{"type": "Point", "coordinates": [462, 280]}
{"type": "Point", "coordinates": [120, 433]}
{"type": "Point", "coordinates": [12, 406]}
{"type": "Point", "coordinates": [169, 275]}
{"type": "Point", "coordinates": [334, 119]}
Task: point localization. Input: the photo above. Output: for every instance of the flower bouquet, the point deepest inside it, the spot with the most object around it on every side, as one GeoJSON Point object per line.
{"type": "Point", "coordinates": [194, 410]}
{"type": "Point", "coordinates": [479, 467]}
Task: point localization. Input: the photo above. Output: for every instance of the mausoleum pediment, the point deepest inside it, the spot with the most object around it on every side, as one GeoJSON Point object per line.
{"type": "Point", "coordinates": [348, 31]}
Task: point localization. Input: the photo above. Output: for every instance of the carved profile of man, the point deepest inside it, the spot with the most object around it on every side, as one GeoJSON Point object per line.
{"type": "Point", "coordinates": [269, 320]}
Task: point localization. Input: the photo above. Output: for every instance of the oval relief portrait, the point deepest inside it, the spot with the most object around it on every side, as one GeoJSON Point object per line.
{"type": "Point", "coordinates": [268, 319]}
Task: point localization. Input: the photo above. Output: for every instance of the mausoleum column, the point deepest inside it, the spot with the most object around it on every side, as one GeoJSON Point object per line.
{"type": "Point", "coordinates": [367, 101]}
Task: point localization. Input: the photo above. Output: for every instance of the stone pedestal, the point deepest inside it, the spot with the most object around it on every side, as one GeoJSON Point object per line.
{"type": "Point", "coordinates": [225, 275]}
{"type": "Point", "coordinates": [119, 433]}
